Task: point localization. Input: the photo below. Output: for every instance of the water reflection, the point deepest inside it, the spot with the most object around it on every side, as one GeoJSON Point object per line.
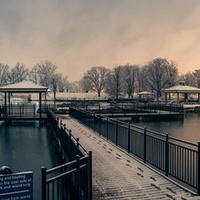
{"type": "Point", "coordinates": [27, 148]}
{"type": "Point", "coordinates": [187, 128]}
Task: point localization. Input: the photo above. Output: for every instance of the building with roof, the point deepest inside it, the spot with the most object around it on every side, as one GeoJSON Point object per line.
{"type": "Point", "coordinates": [22, 87]}
{"type": "Point", "coordinates": [183, 90]}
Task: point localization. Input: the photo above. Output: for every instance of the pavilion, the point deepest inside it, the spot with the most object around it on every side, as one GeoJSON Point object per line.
{"type": "Point", "coordinates": [145, 95]}
{"type": "Point", "coordinates": [22, 87]}
{"type": "Point", "coordinates": [181, 89]}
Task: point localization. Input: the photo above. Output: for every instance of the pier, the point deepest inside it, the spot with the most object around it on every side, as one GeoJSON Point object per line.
{"type": "Point", "coordinates": [118, 175]}
{"type": "Point", "coordinates": [176, 159]}
{"type": "Point", "coordinates": [24, 110]}
{"type": "Point", "coordinates": [139, 115]}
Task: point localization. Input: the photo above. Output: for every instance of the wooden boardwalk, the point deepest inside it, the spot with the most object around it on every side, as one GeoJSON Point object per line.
{"type": "Point", "coordinates": [117, 175]}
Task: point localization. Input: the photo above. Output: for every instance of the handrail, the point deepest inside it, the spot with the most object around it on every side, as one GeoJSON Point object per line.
{"type": "Point", "coordinates": [161, 151]}
{"type": "Point", "coordinates": [75, 174]}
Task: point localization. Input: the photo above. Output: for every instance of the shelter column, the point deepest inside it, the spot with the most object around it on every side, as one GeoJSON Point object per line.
{"type": "Point", "coordinates": [170, 96]}
{"type": "Point", "coordinates": [9, 106]}
{"type": "Point", "coordinates": [5, 104]}
{"type": "Point", "coordinates": [165, 97]}
{"type": "Point", "coordinates": [40, 104]}
{"type": "Point", "coordinates": [177, 96]}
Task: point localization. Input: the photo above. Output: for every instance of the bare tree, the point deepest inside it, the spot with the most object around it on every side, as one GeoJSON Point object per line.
{"type": "Point", "coordinates": [45, 71]}
{"type": "Point", "coordinates": [55, 80]}
{"type": "Point", "coordinates": [188, 78]}
{"type": "Point", "coordinates": [85, 84]}
{"type": "Point", "coordinates": [96, 76]}
{"type": "Point", "coordinates": [160, 74]}
{"type": "Point", "coordinates": [196, 74]}
{"type": "Point", "coordinates": [142, 75]}
{"type": "Point", "coordinates": [33, 75]}
{"type": "Point", "coordinates": [4, 71]}
{"type": "Point", "coordinates": [131, 76]}
{"type": "Point", "coordinates": [63, 84]}
{"type": "Point", "coordinates": [18, 73]}
{"type": "Point", "coordinates": [114, 83]}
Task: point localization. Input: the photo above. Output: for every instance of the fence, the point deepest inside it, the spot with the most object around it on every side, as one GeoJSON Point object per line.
{"type": "Point", "coordinates": [177, 159]}
{"type": "Point", "coordinates": [130, 107]}
{"type": "Point", "coordinates": [22, 111]}
{"type": "Point", "coordinates": [72, 180]}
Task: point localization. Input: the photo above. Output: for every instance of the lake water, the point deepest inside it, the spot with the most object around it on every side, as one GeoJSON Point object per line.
{"type": "Point", "coordinates": [186, 129]}
{"type": "Point", "coordinates": [27, 148]}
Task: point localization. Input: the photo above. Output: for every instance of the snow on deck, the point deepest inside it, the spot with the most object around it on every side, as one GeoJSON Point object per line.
{"type": "Point", "coordinates": [117, 175]}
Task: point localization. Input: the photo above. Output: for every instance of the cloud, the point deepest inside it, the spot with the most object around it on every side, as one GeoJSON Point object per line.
{"type": "Point", "coordinates": [77, 35]}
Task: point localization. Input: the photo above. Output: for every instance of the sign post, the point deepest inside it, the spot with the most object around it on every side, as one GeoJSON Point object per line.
{"type": "Point", "coordinates": [16, 186]}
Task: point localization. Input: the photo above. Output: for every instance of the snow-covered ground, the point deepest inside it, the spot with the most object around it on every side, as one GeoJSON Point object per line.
{"type": "Point", "coordinates": [89, 95]}
{"type": "Point", "coordinates": [59, 95]}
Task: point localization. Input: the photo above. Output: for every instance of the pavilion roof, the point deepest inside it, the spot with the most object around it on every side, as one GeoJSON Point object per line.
{"type": "Point", "coordinates": [145, 93]}
{"type": "Point", "coordinates": [24, 86]}
{"type": "Point", "coordinates": [182, 89]}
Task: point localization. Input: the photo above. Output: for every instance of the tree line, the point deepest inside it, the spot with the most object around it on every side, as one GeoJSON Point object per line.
{"type": "Point", "coordinates": [121, 81]}
{"type": "Point", "coordinates": [43, 73]}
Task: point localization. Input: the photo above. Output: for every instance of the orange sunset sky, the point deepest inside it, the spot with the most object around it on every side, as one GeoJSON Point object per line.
{"type": "Point", "coordinates": [78, 34]}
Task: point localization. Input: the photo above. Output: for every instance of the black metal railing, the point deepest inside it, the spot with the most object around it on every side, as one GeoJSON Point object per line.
{"type": "Point", "coordinates": [177, 159]}
{"type": "Point", "coordinates": [73, 179]}
{"type": "Point", "coordinates": [135, 107]}
{"type": "Point", "coordinates": [22, 110]}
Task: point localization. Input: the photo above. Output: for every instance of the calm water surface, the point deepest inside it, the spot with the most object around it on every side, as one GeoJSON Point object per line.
{"type": "Point", "coordinates": [27, 148]}
{"type": "Point", "coordinates": [187, 128]}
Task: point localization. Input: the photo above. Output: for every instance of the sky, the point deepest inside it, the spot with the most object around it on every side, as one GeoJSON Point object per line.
{"type": "Point", "coordinates": [76, 35]}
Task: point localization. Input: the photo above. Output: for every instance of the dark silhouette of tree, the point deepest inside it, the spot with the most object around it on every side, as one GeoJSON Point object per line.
{"type": "Point", "coordinates": [85, 84]}
{"type": "Point", "coordinates": [96, 76]}
{"type": "Point", "coordinates": [160, 74]}
{"type": "Point", "coordinates": [189, 79]}
{"type": "Point", "coordinates": [196, 74]}
{"type": "Point", "coordinates": [33, 75]}
{"type": "Point", "coordinates": [115, 83]}
{"type": "Point", "coordinates": [45, 70]}
{"type": "Point", "coordinates": [18, 73]}
{"type": "Point", "coordinates": [131, 73]}
{"type": "Point", "coordinates": [4, 72]}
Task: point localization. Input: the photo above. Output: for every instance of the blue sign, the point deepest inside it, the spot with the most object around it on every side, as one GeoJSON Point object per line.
{"type": "Point", "coordinates": [17, 186]}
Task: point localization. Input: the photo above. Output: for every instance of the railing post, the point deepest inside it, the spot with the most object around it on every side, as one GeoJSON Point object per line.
{"type": "Point", "coordinates": [129, 137]}
{"type": "Point", "coordinates": [77, 142]}
{"type": "Point", "coordinates": [78, 177]}
{"type": "Point", "coordinates": [70, 133]}
{"type": "Point", "coordinates": [20, 108]}
{"type": "Point", "coordinates": [145, 144]}
{"type": "Point", "coordinates": [64, 127]}
{"type": "Point", "coordinates": [107, 128]}
{"type": "Point", "coordinates": [170, 109]}
{"type": "Point", "coordinates": [116, 142]}
{"type": "Point", "coordinates": [94, 122]}
{"type": "Point", "coordinates": [167, 155]}
{"type": "Point", "coordinates": [198, 173]}
{"type": "Point", "coordinates": [60, 123]}
{"type": "Point", "coordinates": [90, 175]}
{"type": "Point", "coordinates": [43, 170]}
{"type": "Point", "coordinates": [99, 123]}
{"type": "Point", "coordinates": [57, 121]}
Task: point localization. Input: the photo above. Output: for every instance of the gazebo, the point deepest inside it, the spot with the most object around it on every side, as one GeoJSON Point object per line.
{"type": "Point", "coordinates": [181, 89]}
{"type": "Point", "coordinates": [22, 87]}
{"type": "Point", "coordinates": [145, 95]}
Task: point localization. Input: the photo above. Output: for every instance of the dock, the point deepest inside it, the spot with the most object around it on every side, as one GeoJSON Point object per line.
{"type": "Point", "coordinates": [118, 175]}
{"type": "Point", "coordinates": [138, 115]}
